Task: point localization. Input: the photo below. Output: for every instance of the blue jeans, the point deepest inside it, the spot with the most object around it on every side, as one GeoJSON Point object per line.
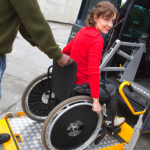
{"type": "Point", "coordinates": [2, 69]}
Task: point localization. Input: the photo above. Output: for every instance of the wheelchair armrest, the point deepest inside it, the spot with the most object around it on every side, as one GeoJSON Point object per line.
{"type": "Point", "coordinates": [85, 85]}
{"type": "Point", "coordinates": [84, 88]}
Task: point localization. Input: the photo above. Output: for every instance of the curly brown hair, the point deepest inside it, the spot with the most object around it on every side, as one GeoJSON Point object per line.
{"type": "Point", "coordinates": [104, 8]}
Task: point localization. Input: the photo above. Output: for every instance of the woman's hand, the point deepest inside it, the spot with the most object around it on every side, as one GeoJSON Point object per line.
{"type": "Point", "coordinates": [96, 105]}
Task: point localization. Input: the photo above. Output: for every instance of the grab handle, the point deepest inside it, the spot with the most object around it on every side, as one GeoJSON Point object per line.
{"type": "Point", "coordinates": [130, 88]}
{"type": "Point", "coordinates": [125, 98]}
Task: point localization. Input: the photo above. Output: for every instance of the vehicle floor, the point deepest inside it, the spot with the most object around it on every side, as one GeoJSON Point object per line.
{"type": "Point", "coordinates": [143, 81]}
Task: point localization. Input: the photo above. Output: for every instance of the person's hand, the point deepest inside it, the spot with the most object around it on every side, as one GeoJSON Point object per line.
{"type": "Point", "coordinates": [39, 48]}
{"type": "Point", "coordinates": [96, 105]}
{"type": "Point", "coordinates": [65, 60]}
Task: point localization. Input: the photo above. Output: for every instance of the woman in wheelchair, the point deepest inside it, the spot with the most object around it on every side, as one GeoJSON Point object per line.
{"type": "Point", "coordinates": [71, 124]}
{"type": "Point", "coordinates": [86, 50]}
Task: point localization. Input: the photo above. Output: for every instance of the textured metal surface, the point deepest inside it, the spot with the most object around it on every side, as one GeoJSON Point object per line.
{"type": "Point", "coordinates": [144, 91]}
{"type": "Point", "coordinates": [107, 141]}
{"type": "Point", "coordinates": [30, 132]}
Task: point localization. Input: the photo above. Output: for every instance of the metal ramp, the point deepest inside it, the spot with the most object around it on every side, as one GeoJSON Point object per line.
{"type": "Point", "coordinates": [140, 89]}
{"type": "Point", "coordinates": [28, 131]}
{"type": "Point", "coordinates": [26, 135]}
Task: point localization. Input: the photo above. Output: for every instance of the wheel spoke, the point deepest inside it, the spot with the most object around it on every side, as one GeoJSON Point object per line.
{"type": "Point", "coordinates": [38, 90]}
{"type": "Point", "coordinates": [41, 86]}
{"type": "Point", "coordinates": [37, 107]}
{"type": "Point", "coordinates": [45, 82]}
{"type": "Point", "coordinates": [46, 112]}
{"type": "Point", "coordinates": [39, 113]}
{"type": "Point", "coordinates": [32, 104]}
{"type": "Point", "coordinates": [35, 99]}
{"type": "Point", "coordinates": [35, 95]}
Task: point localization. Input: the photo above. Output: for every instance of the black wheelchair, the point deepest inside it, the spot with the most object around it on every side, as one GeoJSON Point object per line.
{"type": "Point", "coordinates": [66, 109]}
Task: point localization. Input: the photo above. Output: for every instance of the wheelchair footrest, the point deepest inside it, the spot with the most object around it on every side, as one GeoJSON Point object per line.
{"type": "Point", "coordinates": [114, 131]}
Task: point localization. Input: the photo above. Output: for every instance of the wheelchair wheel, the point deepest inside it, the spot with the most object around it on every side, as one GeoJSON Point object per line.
{"type": "Point", "coordinates": [71, 125]}
{"type": "Point", "coordinates": [35, 100]}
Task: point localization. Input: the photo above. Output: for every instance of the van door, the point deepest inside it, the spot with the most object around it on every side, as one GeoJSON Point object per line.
{"type": "Point", "coordinates": [137, 23]}
{"type": "Point", "coordinates": [85, 9]}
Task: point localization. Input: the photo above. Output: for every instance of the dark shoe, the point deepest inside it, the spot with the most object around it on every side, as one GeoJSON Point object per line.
{"type": "Point", "coordinates": [4, 138]}
{"type": "Point", "coordinates": [99, 138]}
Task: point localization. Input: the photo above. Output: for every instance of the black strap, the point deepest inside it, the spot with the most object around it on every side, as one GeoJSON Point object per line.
{"type": "Point", "coordinates": [85, 88]}
{"type": "Point", "coordinates": [103, 86]}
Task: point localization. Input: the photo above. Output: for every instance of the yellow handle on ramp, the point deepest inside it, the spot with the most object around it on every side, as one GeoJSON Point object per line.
{"type": "Point", "coordinates": [126, 100]}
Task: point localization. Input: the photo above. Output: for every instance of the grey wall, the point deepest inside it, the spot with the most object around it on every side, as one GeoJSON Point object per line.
{"type": "Point", "coordinates": [60, 10]}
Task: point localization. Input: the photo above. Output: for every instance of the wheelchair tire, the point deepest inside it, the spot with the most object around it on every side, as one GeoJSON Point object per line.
{"type": "Point", "coordinates": [57, 134]}
{"type": "Point", "coordinates": [34, 97]}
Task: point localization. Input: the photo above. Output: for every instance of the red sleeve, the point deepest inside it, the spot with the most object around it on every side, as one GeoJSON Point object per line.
{"type": "Point", "coordinates": [94, 58]}
{"type": "Point", "coordinates": [67, 49]}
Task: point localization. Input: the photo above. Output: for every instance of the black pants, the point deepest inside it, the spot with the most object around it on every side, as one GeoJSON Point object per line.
{"type": "Point", "coordinates": [104, 98]}
{"type": "Point", "coordinates": [110, 102]}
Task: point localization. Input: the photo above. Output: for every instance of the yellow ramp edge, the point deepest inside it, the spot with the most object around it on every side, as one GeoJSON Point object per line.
{"type": "Point", "coordinates": [10, 145]}
{"type": "Point", "coordinates": [21, 114]}
{"type": "Point", "coordinates": [115, 147]}
{"type": "Point", "coordinates": [126, 132]}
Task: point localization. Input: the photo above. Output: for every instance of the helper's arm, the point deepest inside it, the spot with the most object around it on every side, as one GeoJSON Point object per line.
{"type": "Point", "coordinates": [39, 29]}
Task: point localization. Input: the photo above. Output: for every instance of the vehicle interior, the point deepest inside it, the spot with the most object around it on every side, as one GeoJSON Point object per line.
{"type": "Point", "coordinates": [85, 9]}
{"type": "Point", "coordinates": [137, 23]}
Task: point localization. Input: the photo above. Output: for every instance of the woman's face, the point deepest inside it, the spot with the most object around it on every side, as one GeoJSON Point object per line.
{"type": "Point", "coordinates": [104, 24]}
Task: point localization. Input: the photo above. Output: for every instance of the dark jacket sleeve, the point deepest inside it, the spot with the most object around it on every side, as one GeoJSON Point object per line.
{"type": "Point", "coordinates": [31, 16]}
{"type": "Point", "coordinates": [26, 35]}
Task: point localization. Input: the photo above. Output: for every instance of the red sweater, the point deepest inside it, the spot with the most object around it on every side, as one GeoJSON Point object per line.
{"type": "Point", "coordinates": [86, 49]}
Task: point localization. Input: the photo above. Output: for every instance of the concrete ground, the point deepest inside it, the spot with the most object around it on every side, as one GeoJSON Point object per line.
{"type": "Point", "coordinates": [27, 62]}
